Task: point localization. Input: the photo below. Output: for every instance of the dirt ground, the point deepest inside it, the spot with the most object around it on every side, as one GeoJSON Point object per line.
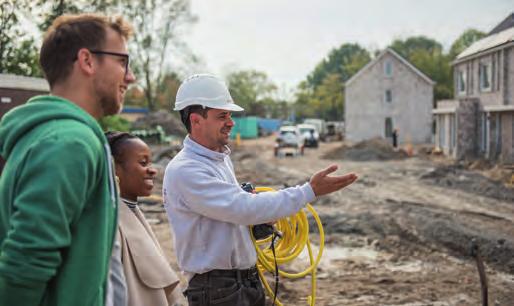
{"type": "Point", "coordinates": [400, 235]}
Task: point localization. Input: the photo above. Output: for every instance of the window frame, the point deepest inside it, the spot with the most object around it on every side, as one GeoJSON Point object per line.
{"type": "Point", "coordinates": [390, 130]}
{"type": "Point", "coordinates": [485, 68]}
{"type": "Point", "coordinates": [390, 100]}
{"type": "Point", "coordinates": [388, 68]}
{"type": "Point", "coordinates": [461, 81]}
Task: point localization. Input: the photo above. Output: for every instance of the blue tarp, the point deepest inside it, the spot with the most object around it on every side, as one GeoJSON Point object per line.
{"type": "Point", "coordinates": [134, 110]}
{"type": "Point", "coordinates": [269, 125]}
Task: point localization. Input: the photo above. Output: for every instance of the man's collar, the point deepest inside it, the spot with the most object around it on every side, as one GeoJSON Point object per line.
{"type": "Point", "coordinates": [190, 144]}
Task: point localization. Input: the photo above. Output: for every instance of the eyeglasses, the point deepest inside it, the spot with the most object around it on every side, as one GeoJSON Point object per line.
{"type": "Point", "coordinates": [124, 55]}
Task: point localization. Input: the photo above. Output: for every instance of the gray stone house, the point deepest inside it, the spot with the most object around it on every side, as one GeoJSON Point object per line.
{"type": "Point", "coordinates": [389, 93]}
{"type": "Point", "coordinates": [479, 122]}
{"type": "Point", "coordinates": [16, 90]}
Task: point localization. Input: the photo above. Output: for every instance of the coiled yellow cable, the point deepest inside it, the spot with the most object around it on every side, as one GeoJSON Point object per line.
{"type": "Point", "coordinates": [295, 237]}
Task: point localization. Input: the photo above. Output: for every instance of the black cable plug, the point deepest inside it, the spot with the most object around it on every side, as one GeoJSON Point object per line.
{"type": "Point", "coordinates": [259, 231]}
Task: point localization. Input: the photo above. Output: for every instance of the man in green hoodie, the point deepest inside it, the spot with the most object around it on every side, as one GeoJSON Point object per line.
{"type": "Point", "coordinates": [58, 198]}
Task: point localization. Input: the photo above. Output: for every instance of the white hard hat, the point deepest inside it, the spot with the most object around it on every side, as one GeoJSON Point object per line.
{"type": "Point", "coordinates": [206, 90]}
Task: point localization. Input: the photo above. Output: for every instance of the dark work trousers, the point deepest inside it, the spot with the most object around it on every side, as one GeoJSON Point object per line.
{"type": "Point", "coordinates": [226, 288]}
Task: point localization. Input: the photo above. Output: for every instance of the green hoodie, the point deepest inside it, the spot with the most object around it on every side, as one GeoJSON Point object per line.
{"type": "Point", "coordinates": [57, 206]}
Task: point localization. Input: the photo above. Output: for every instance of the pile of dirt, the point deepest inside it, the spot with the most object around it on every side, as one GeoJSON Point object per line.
{"type": "Point", "coordinates": [420, 227]}
{"type": "Point", "coordinates": [367, 150]}
{"type": "Point", "coordinates": [496, 172]}
{"type": "Point", "coordinates": [171, 124]}
{"type": "Point", "coordinates": [456, 176]}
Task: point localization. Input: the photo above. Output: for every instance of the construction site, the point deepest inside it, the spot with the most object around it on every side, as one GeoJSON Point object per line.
{"type": "Point", "coordinates": [407, 232]}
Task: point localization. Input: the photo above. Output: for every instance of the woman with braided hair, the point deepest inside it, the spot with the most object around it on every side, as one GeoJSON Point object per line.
{"type": "Point", "coordinates": [150, 279]}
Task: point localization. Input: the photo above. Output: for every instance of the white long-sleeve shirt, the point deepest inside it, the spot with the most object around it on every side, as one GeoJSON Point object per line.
{"type": "Point", "coordinates": [210, 213]}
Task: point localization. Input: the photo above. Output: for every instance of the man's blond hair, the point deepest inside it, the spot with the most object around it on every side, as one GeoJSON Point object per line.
{"type": "Point", "coordinates": [70, 33]}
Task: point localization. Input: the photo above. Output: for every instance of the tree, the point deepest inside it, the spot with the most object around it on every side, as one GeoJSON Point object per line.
{"type": "Point", "coordinates": [157, 25]}
{"type": "Point", "coordinates": [412, 44]}
{"type": "Point", "coordinates": [427, 55]}
{"type": "Point", "coordinates": [167, 91]}
{"type": "Point", "coordinates": [18, 54]}
{"type": "Point", "coordinates": [18, 50]}
{"type": "Point", "coordinates": [156, 39]}
{"type": "Point", "coordinates": [250, 89]}
{"type": "Point", "coordinates": [465, 40]}
{"type": "Point", "coordinates": [329, 98]}
{"type": "Point", "coordinates": [50, 10]}
{"type": "Point", "coordinates": [436, 66]}
{"type": "Point", "coordinates": [322, 94]}
{"type": "Point", "coordinates": [344, 61]}
{"type": "Point", "coordinates": [302, 104]}
{"type": "Point", "coordinates": [114, 123]}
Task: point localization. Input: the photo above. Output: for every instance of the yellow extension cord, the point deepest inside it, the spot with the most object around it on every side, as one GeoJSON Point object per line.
{"type": "Point", "coordinates": [295, 237]}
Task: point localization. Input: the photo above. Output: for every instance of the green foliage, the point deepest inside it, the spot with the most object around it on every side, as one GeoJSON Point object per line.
{"type": "Point", "coordinates": [114, 123]}
{"type": "Point", "coordinates": [412, 44]}
{"type": "Point", "coordinates": [157, 27]}
{"type": "Point", "coordinates": [302, 104]}
{"type": "Point", "coordinates": [51, 9]}
{"type": "Point", "coordinates": [167, 91]}
{"type": "Point", "coordinates": [253, 91]}
{"type": "Point", "coordinates": [18, 54]}
{"type": "Point", "coordinates": [322, 94]}
{"type": "Point", "coordinates": [55, 9]}
{"type": "Point", "coordinates": [465, 40]}
{"type": "Point", "coordinates": [344, 61]}
{"type": "Point", "coordinates": [427, 55]}
{"type": "Point", "coordinates": [324, 101]}
{"type": "Point", "coordinates": [22, 59]}
{"type": "Point", "coordinates": [328, 98]}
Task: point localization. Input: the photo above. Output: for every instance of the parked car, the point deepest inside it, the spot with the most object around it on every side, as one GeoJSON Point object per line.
{"type": "Point", "coordinates": [310, 135]}
{"type": "Point", "coordinates": [335, 130]}
{"type": "Point", "coordinates": [289, 141]}
{"type": "Point", "coordinates": [321, 126]}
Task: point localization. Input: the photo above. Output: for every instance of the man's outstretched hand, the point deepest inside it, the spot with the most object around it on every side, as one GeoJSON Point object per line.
{"type": "Point", "coordinates": [323, 184]}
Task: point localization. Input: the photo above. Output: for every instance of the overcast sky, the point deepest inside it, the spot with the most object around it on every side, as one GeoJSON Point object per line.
{"type": "Point", "coordinates": [287, 38]}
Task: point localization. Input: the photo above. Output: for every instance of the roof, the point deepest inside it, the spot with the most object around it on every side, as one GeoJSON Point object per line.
{"type": "Point", "coordinates": [12, 81]}
{"type": "Point", "coordinates": [487, 43]}
{"type": "Point", "coordinates": [397, 56]}
{"type": "Point", "coordinates": [306, 126]}
{"type": "Point", "coordinates": [504, 25]}
{"type": "Point", "coordinates": [502, 34]}
{"type": "Point", "coordinates": [287, 128]}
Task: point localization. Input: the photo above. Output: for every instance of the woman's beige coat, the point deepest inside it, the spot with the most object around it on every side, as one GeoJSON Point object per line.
{"type": "Point", "coordinates": [150, 279]}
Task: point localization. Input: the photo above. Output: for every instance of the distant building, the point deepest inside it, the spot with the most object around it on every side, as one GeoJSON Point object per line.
{"type": "Point", "coordinates": [389, 93]}
{"type": "Point", "coordinates": [479, 122]}
{"type": "Point", "coordinates": [16, 90]}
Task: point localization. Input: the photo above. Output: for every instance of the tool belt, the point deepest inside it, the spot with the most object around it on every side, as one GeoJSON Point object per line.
{"type": "Point", "coordinates": [251, 274]}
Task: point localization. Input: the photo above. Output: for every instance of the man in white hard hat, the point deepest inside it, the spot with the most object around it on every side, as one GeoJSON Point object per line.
{"type": "Point", "coordinates": [207, 209]}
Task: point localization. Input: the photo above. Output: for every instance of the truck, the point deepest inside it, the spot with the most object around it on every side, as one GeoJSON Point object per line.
{"type": "Point", "coordinates": [321, 126]}
{"type": "Point", "coordinates": [289, 142]}
{"type": "Point", "coordinates": [310, 134]}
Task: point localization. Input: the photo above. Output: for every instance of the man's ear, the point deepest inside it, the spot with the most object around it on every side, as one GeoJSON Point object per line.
{"type": "Point", "coordinates": [195, 118]}
{"type": "Point", "coordinates": [85, 61]}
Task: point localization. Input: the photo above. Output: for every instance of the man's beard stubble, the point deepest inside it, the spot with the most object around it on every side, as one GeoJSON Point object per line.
{"type": "Point", "coordinates": [108, 103]}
